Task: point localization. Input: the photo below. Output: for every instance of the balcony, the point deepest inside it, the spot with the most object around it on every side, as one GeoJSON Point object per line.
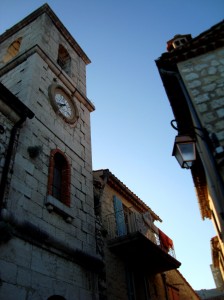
{"type": "Point", "coordinates": [136, 240]}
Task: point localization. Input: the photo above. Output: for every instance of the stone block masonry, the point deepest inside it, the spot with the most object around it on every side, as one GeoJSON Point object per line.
{"type": "Point", "coordinates": [204, 79]}
{"type": "Point", "coordinates": [52, 248]}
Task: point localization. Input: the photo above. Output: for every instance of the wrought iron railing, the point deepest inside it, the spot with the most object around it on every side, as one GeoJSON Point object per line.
{"type": "Point", "coordinates": [122, 224]}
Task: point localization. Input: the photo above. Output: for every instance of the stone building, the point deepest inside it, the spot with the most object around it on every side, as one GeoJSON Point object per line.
{"type": "Point", "coordinates": [139, 258]}
{"type": "Point", "coordinates": [192, 72]}
{"type": "Point", "coordinates": [47, 226]}
{"type": "Point", "coordinates": [64, 233]}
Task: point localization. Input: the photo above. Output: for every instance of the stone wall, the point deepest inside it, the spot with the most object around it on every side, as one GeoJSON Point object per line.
{"type": "Point", "coordinates": [4, 138]}
{"type": "Point", "coordinates": [44, 34]}
{"type": "Point", "coordinates": [175, 280]}
{"type": "Point", "coordinates": [116, 272]}
{"type": "Point", "coordinates": [115, 269]}
{"type": "Point", "coordinates": [40, 259]}
{"type": "Point", "coordinates": [48, 131]}
{"type": "Point", "coordinates": [204, 79]}
{"type": "Point", "coordinates": [29, 272]}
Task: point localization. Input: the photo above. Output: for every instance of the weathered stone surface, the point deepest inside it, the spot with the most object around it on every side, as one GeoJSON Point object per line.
{"type": "Point", "coordinates": [30, 267]}
{"type": "Point", "coordinates": [203, 77]}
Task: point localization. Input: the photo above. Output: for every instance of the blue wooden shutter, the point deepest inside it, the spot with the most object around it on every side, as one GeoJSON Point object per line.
{"type": "Point", "coordinates": [119, 215]}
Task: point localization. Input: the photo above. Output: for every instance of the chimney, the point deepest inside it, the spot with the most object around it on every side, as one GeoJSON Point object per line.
{"type": "Point", "coordinates": [178, 41]}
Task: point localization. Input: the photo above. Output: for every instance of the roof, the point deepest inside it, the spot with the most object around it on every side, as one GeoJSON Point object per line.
{"type": "Point", "coordinates": [120, 187]}
{"type": "Point", "coordinates": [209, 40]}
{"type": "Point", "coordinates": [34, 15]}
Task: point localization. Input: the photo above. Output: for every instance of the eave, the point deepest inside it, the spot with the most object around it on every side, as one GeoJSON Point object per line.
{"type": "Point", "coordinates": [183, 118]}
{"type": "Point", "coordinates": [122, 189]}
{"type": "Point", "coordinates": [200, 183]}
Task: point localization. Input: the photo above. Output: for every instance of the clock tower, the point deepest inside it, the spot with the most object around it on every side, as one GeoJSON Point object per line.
{"type": "Point", "coordinates": [47, 208]}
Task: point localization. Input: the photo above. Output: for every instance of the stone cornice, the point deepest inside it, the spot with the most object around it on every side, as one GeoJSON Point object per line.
{"type": "Point", "coordinates": [55, 69]}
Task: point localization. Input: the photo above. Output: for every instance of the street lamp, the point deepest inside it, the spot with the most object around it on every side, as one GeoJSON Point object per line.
{"type": "Point", "coordinates": [184, 150]}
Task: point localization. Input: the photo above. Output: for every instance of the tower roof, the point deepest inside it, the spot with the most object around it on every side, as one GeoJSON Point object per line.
{"type": "Point", "coordinates": [63, 30]}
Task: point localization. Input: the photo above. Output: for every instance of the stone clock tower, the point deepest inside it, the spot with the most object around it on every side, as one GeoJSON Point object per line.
{"type": "Point", "coordinates": [47, 225]}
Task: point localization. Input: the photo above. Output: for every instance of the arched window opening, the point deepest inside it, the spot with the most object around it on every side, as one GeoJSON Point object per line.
{"type": "Point", "coordinates": [59, 177]}
{"type": "Point", "coordinates": [12, 50]}
{"type": "Point", "coordinates": [64, 59]}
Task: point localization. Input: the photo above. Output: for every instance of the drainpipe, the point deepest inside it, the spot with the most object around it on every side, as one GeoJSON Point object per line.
{"type": "Point", "coordinates": [8, 157]}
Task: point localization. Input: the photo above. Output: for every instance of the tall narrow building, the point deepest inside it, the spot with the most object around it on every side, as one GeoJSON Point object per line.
{"type": "Point", "coordinates": [47, 226]}
{"type": "Point", "coordinates": [192, 73]}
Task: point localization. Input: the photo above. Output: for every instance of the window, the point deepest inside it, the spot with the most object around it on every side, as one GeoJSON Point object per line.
{"type": "Point", "coordinates": [12, 50]}
{"type": "Point", "coordinates": [119, 217]}
{"type": "Point", "coordinates": [137, 285]}
{"type": "Point", "coordinates": [64, 59]}
{"type": "Point", "coordinates": [59, 177]}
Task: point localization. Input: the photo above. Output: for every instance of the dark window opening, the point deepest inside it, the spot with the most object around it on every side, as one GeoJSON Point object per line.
{"type": "Point", "coordinates": [59, 177]}
{"type": "Point", "coordinates": [59, 166]}
{"type": "Point", "coordinates": [64, 59]}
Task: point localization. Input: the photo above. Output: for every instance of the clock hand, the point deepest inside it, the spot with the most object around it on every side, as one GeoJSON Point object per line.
{"type": "Point", "coordinates": [61, 104]}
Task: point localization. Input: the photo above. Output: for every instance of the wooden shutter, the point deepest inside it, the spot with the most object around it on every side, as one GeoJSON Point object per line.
{"type": "Point", "coordinates": [119, 216]}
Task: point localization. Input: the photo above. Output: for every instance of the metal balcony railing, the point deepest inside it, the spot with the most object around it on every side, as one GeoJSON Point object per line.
{"type": "Point", "coordinates": [123, 224]}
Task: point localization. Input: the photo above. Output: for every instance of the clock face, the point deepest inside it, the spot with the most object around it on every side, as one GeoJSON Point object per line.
{"type": "Point", "coordinates": [63, 104]}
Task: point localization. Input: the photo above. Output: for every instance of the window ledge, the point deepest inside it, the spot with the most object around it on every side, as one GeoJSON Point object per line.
{"type": "Point", "coordinates": [54, 204]}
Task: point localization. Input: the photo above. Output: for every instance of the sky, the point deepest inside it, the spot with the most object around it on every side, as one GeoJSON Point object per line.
{"type": "Point", "coordinates": [131, 132]}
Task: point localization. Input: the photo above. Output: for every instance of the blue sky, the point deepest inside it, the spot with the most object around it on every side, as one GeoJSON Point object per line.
{"type": "Point", "coordinates": [131, 132]}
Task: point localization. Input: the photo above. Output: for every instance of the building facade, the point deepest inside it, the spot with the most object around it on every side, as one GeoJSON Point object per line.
{"type": "Point", "coordinates": [192, 72]}
{"type": "Point", "coordinates": [67, 232]}
{"type": "Point", "coordinates": [47, 240]}
{"type": "Point", "coordinates": [139, 258]}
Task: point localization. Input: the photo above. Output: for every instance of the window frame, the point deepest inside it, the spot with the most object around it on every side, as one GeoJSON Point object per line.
{"type": "Point", "coordinates": [61, 205]}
